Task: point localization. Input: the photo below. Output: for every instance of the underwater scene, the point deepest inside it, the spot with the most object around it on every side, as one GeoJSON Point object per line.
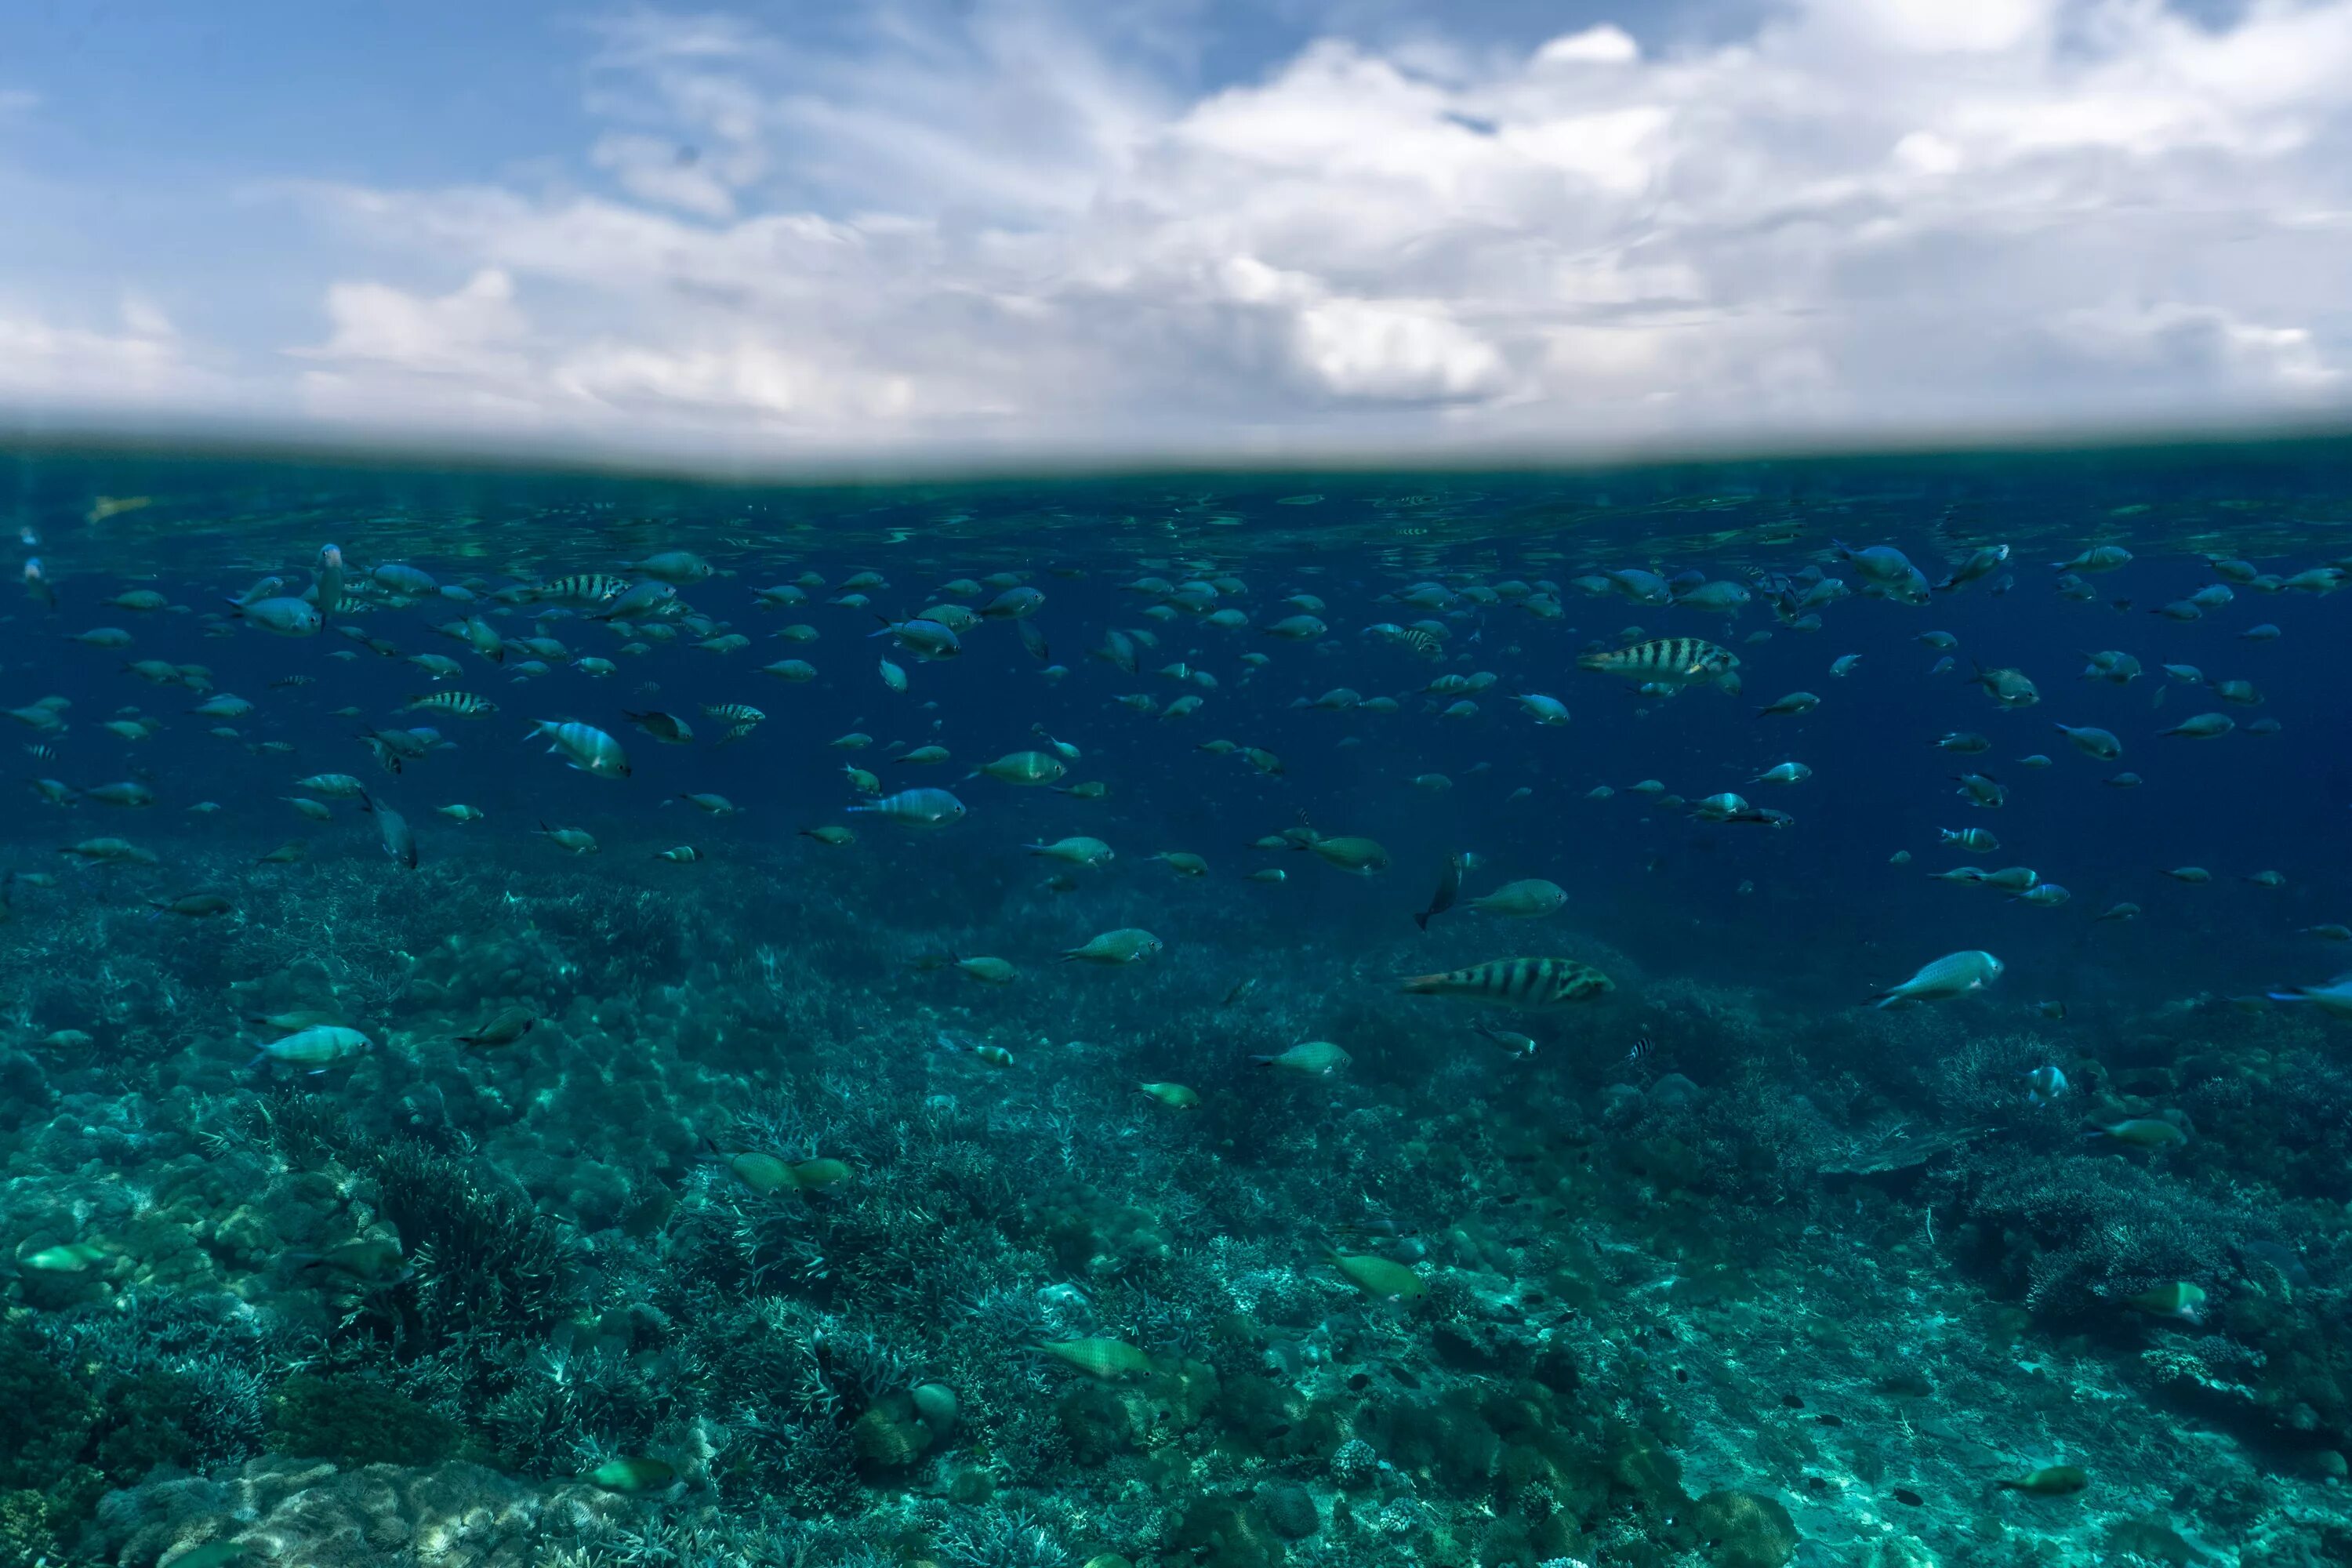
{"type": "Point", "coordinates": [1707, 1013]}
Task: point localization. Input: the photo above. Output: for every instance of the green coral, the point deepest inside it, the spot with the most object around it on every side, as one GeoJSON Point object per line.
{"type": "Point", "coordinates": [356, 1421]}
{"type": "Point", "coordinates": [50, 1416]}
{"type": "Point", "coordinates": [1742, 1529]}
{"type": "Point", "coordinates": [28, 1524]}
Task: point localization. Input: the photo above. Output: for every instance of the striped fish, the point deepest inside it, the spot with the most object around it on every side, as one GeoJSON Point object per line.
{"type": "Point", "coordinates": [581, 588]}
{"type": "Point", "coordinates": [1672, 661]}
{"type": "Point", "coordinates": [457, 704]}
{"type": "Point", "coordinates": [1517, 983]}
{"type": "Point", "coordinates": [733, 713]}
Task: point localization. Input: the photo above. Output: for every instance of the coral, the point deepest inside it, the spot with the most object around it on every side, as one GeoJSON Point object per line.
{"type": "Point", "coordinates": [996, 1537]}
{"type": "Point", "coordinates": [1289, 1509]}
{"type": "Point", "coordinates": [355, 1421]}
{"type": "Point", "coordinates": [1741, 1529]}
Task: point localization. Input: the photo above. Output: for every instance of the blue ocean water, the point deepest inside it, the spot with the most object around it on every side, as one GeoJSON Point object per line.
{"type": "Point", "coordinates": [529, 1246]}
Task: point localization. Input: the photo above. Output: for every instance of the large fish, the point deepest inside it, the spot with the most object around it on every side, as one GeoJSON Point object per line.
{"type": "Point", "coordinates": [1666, 661]}
{"type": "Point", "coordinates": [1517, 983]}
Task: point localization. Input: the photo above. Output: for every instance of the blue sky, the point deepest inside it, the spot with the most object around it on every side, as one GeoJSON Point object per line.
{"type": "Point", "coordinates": [777, 233]}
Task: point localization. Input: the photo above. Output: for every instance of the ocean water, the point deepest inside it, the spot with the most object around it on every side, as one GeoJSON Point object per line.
{"type": "Point", "coordinates": [415, 1148]}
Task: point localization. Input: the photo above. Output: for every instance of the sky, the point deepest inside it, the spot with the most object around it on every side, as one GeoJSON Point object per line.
{"type": "Point", "coordinates": [999, 229]}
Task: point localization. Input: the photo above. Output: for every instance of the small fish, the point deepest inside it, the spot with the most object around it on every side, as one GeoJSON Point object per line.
{"type": "Point", "coordinates": [2179, 1300]}
{"type": "Point", "coordinates": [2141, 1132]}
{"type": "Point", "coordinates": [2044, 1084]}
{"type": "Point", "coordinates": [1449, 886]}
{"type": "Point", "coordinates": [504, 1028]}
{"type": "Point", "coordinates": [316, 1048]}
{"type": "Point", "coordinates": [2091, 742]}
{"type": "Point", "coordinates": [571, 840]}
{"type": "Point", "coordinates": [457, 704]}
{"type": "Point", "coordinates": [1530, 898]}
{"type": "Point", "coordinates": [1308, 1058]}
{"type": "Point", "coordinates": [1510, 1042]}
{"type": "Point", "coordinates": [585, 748]}
{"type": "Point", "coordinates": [633, 1476]}
{"type": "Point", "coordinates": [1377, 1275]}
{"type": "Point", "coordinates": [1128, 944]}
{"type": "Point", "coordinates": [1954, 974]}
{"type": "Point", "coordinates": [917, 808]}
{"type": "Point", "coordinates": [1793, 704]}
{"type": "Point", "coordinates": [1174, 1096]}
{"type": "Point", "coordinates": [2053, 1481]}
{"type": "Point", "coordinates": [1105, 1360]}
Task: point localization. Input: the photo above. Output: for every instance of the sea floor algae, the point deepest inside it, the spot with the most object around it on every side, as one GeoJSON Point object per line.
{"type": "Point", "coordinates": [580, 1021]}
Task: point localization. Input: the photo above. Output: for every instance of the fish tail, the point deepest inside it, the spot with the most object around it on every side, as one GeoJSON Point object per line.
{"type": "Point", "coordinates": [1420, 984]}
{"type": "Point", "coordinates": [1422, 919]}
{"type": "Point", "coordinates": [1262, 1061]}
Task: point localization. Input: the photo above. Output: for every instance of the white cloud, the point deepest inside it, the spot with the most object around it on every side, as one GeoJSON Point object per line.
{"type": "Point", "coordinates": [471, 331]}
{"type": "Point", "coordinates": [1872, 214]}
{"type": "Point", "coordinates": [141, 363]}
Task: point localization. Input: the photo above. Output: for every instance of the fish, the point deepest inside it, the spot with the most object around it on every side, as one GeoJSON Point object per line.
{"type": "Point", "coordinates": [1669, 661]}
{"type": "Point", "coordinates": [2334, 998]}
{"type": "Point", "coordinates": [2053, 1480]}
{"type": "Point", "coordinates": [1357, 857]}
{"type": "Point", "coordinates": [504, 1027]}
{"type": "Point", "coordinates": [1128, 944]}
{"type": "Point", "coordinates": [1525, 982]}
{"type": "Point", "coordinates": [317, 1046]}
{"type": "Point", "coordinates": [1024, 768]}
{"type": "Point", "coordinates": [1954, 974]}
{"type": "Point", "coordinates": [1376, 1276]}
{"type": "Point", "coordinates": [1075, 851]}
{"type": "Point", "coordinates": [284, 617]}
{"type": "Point", "coordinates": [399, 841]}
{"type": "Point", "coordinates": [2180, 1300]}
{"type": "Point", "coordinates": [2141, 1132]}
{"type": "Point", "coordinates": [633, 1476]}
{"type": "Point", "coordinates": [1104, 1360]}
{"type": "Point", "coordinates": [2101, 744]}
{"type": "Point", "coordinates": [571, 840]}
{"type": "Point", "coordinates": [583, 747]}
{"type": "Point", "coordinates": [2099, 558]}
{"type": "Point", "coordinates": [457, 704]}
{"type": "Point", "coordinates": [1530, 898]}
{"type": "Point", "coordinates": [1308, 1058]}
{"type": "Point", "coordinates": [1793, 704]}
{"type": "Point", "coordinates": [1449, 886]}
{"type": "Point", "coordinates": [917, 808]}
{"type": "Point", "coordinates": [1174, 1096]}
{"type": "Point", "coordinates": [2044, 1084]}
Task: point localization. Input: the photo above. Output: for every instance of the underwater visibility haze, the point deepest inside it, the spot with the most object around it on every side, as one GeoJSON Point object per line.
{"type": "Point", "coordinates": [1729, 1014]}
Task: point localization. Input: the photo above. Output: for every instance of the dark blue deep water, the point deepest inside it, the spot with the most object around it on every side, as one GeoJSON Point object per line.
{"type": "Point", "coordinates": [555, 1199]}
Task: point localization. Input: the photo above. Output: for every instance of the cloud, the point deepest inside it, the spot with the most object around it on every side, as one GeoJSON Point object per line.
{"type": "Point", "coordinates": [1008, 226]}
{"type": "Point", "coordinates": [142, 363]}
